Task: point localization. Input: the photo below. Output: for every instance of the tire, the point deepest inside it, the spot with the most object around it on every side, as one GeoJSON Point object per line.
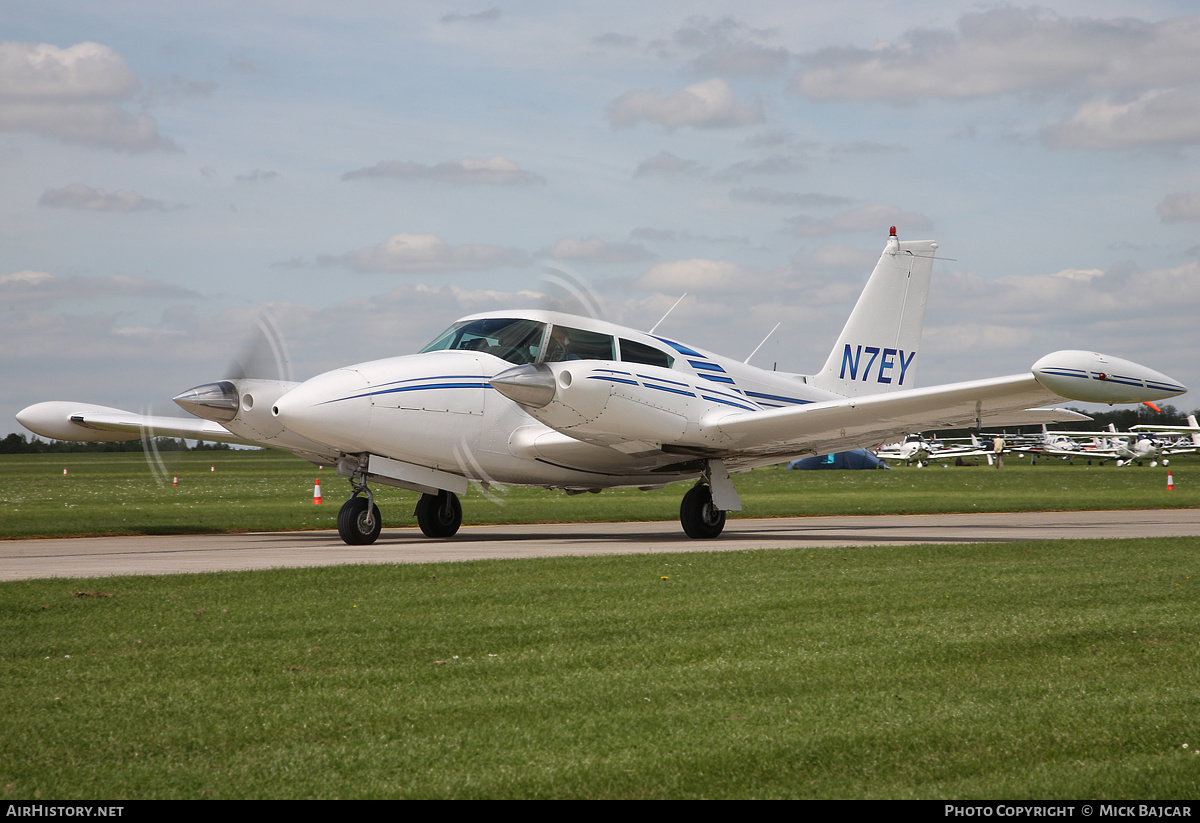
{"type": "Point", "coordinates": [352, 522]}
{"type": "Point", "coordinates": [701, 520]}
{"type": "Point", "coordinates": [439, 515]}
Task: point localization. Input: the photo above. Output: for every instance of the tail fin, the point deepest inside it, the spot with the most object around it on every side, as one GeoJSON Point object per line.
{"type": "Point", "coordinates": [1195, 435]}
{"type": "Point", "coordinates": [877, 349]}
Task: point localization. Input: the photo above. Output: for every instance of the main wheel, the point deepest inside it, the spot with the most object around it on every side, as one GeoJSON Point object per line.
{"type": "Point", "coordinates": [439, 515]}
{"type": "Point", "coordinates": [701, 519]}
{"type": "Point", "coordinates": [355, 525]}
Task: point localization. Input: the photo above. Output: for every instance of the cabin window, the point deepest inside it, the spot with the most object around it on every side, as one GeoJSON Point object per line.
{"type": "Point", "coordinates": [578, 344]}
{"type": "Point", "coordinates": [632, 352]}
{"type": "Point", "coordinates": [517, 341]}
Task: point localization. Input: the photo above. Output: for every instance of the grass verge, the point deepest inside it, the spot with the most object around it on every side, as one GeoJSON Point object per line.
{"type": "Point", "coordinates": [1058, 669]}
{"type": "Point", "coordinates": [272, 491]}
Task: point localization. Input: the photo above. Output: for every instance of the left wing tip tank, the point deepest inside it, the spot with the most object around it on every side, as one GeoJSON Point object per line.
{"type": "Point", "coordinates": [1092, 377]}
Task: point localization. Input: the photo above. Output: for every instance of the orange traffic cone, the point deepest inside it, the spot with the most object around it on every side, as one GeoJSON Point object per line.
{"type": "Point", "coordinates": [1170, 483]}
{"type": "Point", "coordinates": [64, 471]}
{"type": "Point", "coordinates": [175, 482]}
{"type": "Point", "coordinates": [212, 468]}
{"type": "Point", "coordinates": [317, 492]}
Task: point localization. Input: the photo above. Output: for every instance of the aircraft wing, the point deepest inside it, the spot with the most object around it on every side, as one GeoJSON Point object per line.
{"type": "Point", "coordinates": [837, 425]}
{"type": "Point", "coordinates": [61, 420]}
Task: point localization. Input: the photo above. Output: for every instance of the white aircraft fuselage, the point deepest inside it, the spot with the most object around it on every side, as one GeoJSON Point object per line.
{"type": "Point", "coordinates": [605, 424]}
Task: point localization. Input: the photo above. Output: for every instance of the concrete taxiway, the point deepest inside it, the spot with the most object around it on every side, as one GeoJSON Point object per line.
{"type": "Point", "coordinates": [106, 556]}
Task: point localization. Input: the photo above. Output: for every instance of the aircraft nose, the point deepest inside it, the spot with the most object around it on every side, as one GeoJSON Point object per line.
{"type": "Point", "coordinates": [332, 408]}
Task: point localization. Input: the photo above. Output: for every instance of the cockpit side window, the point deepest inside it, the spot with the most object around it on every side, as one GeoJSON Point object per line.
{"type": "Point", "coordinates": [634, 352]}
{"type": "Point", "coordinates": [578, 344]}
{"type": "Point", "coordinates": [517, 341]}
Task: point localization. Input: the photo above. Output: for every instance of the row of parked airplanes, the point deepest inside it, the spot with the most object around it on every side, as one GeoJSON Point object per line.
{"type": "Point", "coordinates": [540, 398]}
{"type": "Point", "coordinates": [1142, 444]}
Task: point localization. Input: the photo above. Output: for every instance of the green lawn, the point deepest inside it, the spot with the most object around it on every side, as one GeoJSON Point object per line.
{"type": "Point", "coordinates": [1063, 669]}
{"type": "Point", "coordinates": [272, 491]}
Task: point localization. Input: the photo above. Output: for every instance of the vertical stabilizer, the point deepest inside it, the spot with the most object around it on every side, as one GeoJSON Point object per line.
{"type": "Point", "coordinates": [877, 350]}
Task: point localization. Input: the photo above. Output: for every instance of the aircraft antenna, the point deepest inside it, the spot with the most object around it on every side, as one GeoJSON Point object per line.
{"type": "Point", "coordinates": [664, 317]}
{"type": "Point", "coordinates": [764, 340]}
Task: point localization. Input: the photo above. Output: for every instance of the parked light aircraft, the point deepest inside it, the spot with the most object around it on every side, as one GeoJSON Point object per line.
{"type": "Point", "coordinates": [541, 398]}
{"type": "Point", "coordinates": [1192, 428]}
{"type": "Point", "coordinates": [1141, 446]}
{"type": "Point", "coordinates": [1068, 445]}
{"type": "Point", "coordinates": [1137, 445]}
{"type": "Point", "coordinates": [917, 449]}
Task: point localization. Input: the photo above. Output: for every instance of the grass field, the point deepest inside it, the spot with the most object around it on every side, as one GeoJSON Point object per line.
{"type": "Point", "coordinates": [1063, 669]}
{"type": "Point", "coordinates": [1053, 670]}
{"type": "Point", "coordinates": [272, 491]}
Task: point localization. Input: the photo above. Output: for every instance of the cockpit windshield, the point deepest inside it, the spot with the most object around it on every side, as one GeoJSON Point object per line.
{"type": "Point", "coordinates": [517, 341]}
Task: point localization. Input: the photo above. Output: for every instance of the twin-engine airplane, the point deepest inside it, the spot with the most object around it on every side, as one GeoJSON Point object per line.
{"type": "Point", "coordinates": [540, 398]}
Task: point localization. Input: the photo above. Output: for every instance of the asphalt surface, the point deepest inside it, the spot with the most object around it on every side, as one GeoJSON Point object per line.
{"type": "Point", "coordinates": [106, 556]}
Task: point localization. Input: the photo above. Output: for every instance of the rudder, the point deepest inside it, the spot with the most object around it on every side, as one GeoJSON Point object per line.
{"type": "Point", "coordinates": [877, 349]}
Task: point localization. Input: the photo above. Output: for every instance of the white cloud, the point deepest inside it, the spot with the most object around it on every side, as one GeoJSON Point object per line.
{"type": "Point", "coordinates": [668, 165]}
{"type": "Point", "coordinates": [86, 198]}
{"type": "Point", "coordinates": [775, 165]}
{"type": "Point", "coordinates": [1096, 300]}
{"type": "Point", "coordinates": [1007, 50]}
{"type": "Point", "coordinates": [496, 171]}
{"type": "Point", "coordinates": [710, 104]}
{"type": "Point", "coordinates": [427, 253]}
{"type": "Point", "coordinates": [837, 256]}
{"type": "Point", "coordinates": [595, 250]}
{"type": "Point", "coordinates": [1162, 117]}
{"type": "Point", "coordinates": [744, 58]}
{"type": "Point", "coordinates": [42, 72]}
{"type": "Point", "coordinates": [699, 275]}
{"type": "Point", "coordinates": [489, 16]}
{"type": "Point", "coordinates": [72, 94]}
{"type": "Point", "coordinates": [258, 176]}
{"type": "Point", "coordinates": [1184, 205]}
{"type": "Point", "coordinates": [40, 290]}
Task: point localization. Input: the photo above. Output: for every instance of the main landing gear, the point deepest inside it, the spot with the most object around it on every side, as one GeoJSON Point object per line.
{"type": "Point", "coordinates": [359, 523]}
{"type": "Point", "coordinates": [439, 515]}
{"type": "Point", "coordinates": [702, 512]}
{"type": "Point", "coordinates": [700, 517]}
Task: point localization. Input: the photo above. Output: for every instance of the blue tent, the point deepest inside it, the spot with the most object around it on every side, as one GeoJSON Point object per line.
{"type": "Point", "coordinates": [856, 459]}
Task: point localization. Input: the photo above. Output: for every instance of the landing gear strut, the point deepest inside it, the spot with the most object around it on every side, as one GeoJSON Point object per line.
{"type": "Point", "coordinates": [439, 515]}
{"type": "Point", "coordinates": [700, 517]}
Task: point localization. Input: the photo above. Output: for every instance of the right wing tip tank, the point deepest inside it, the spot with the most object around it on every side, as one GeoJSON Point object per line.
{"type": "Point", "coordinates": [1092, 377]}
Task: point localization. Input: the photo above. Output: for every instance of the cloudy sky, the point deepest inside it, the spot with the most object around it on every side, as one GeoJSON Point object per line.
{"type": "Point", "coordinates": [370, 171]}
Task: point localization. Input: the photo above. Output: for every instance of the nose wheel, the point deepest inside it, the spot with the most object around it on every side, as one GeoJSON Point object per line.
{"type": "Point", "coordinates": [358, 521]}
